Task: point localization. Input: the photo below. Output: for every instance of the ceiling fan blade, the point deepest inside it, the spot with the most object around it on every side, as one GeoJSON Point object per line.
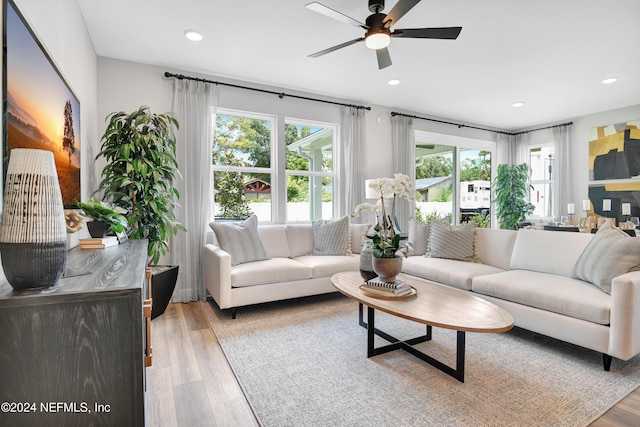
{"type": "Point", "coordinates": [447, 33]}
{"type": "Point", "coordinates": [398, 11]}
{"type": "Point", "coordinates": [334, 48]}
{"type": "Point", "coordinates": [384, 59]}
{"type": "Point", "coordinates": [327, 11]}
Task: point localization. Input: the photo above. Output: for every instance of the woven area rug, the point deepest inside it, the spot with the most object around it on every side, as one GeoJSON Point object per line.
{"type": "Point", "coordinates": [303, 363]}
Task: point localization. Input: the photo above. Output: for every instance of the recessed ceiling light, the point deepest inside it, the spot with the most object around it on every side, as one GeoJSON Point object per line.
{"type": "Point", "coordinates": [610, 80]}
{"type": "Point", "coordinates": [193, 35]}
{"type": "Point", "coordinates": [393, 82]}
{"type": "Point", "coordinates": [517, 104]}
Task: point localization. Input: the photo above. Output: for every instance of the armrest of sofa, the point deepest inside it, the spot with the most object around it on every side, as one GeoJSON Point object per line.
{"type": "Point", "coordinates": [217, 274]}
{"type": "Point", "coordinates": [624, 338]}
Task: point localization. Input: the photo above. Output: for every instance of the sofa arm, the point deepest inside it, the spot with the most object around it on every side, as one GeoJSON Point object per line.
{"type": "Point", "coordinates": [624, 339]}
{"type": "Point", "coordinates": [217, 274]}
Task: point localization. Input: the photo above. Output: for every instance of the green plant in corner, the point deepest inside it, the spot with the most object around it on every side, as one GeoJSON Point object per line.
{"type": "Point", "coordinates": [100, 211]}
{"type": "Point", "coordinates": [511, 189]}
{"type": "Point", "coordinates": [140, 150]}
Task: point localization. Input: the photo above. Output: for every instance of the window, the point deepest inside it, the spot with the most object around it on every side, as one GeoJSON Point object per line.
{"type": "Point", "coordinates": [541, 162]}
{"type": "Point", "coordinates": [309, 170]}
{"type": "Point", "coordinates": [245, 160]}
{"type": "Point", "coordinates": [242, 160]}
{"type": "Point", "coordinates": [453, 177]}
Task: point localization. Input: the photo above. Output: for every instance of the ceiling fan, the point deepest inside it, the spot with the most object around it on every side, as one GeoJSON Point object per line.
{"type": "Point", "coordinates": [378, 28]}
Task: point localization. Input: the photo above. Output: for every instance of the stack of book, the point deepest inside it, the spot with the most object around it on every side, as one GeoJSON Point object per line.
{"type": "Point", "coordinates": [378, 287]}
{"type": "Point", "coordinates": [101, 243]}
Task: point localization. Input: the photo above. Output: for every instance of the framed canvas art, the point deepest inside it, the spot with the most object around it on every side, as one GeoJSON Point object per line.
{"type": "Point", "coordinates": [40, 109]}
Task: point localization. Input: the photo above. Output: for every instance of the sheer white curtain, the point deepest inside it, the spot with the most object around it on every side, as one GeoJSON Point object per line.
{"type": "Point", "coordinates": [511, 149]}
{"type": "Point", "coordinates": [403, 146]}
{"type": "Point", "coordinates": [563, 181]}
{"type": "Point", "coordinates": [193, 106]}
{"type": "Point", "coordinates": [352, 140]}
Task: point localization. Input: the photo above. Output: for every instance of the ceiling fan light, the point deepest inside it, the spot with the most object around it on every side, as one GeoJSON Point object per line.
{"type": "Point", "coordinates": [377, 40]}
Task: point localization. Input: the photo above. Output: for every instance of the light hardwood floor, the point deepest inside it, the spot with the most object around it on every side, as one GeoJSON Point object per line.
{"type": "Point", "coordinates": [191, 383]}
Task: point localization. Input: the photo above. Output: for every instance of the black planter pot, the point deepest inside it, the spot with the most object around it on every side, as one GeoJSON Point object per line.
{"type": "Point", "coordinates": [163, 282]}
{"type": "Point", "coordinates": [97, 229]}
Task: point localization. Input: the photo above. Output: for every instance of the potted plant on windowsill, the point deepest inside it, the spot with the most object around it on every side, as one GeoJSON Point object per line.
{"type": "Point", "coordinates": [105, 218]}
{"type": "Point", "coordinates": [387, 246]}
{"type": "Point", "coordinates": [140, 150]}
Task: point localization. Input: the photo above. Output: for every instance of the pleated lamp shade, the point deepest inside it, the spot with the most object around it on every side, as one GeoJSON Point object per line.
{"type": "Point", "coordinates": [33, 229]}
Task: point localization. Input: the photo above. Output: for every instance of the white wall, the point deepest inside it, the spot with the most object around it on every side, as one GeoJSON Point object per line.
{"type": "Point", "coordinates": [60, 28]}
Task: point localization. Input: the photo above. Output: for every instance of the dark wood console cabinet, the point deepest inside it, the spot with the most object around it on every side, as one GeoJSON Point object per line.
{"type": "Point", "coordinates": [74, 354]}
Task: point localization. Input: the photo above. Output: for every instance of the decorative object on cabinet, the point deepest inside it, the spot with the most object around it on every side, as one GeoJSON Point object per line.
{"type": "Point", "coordinates": [33, 233]}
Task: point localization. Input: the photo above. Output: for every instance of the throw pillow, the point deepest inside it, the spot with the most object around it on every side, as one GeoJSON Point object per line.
{"type": "Point", "coordinates": [240, 240]}
{"type": "Point", "coordinates": [331, 237]}
{"type": "Point", "coordinates": [418, 237]}
{"type": "Point", "coordinates": [446, 241]}
{"type": "Point", "coordinates": [610, 253]}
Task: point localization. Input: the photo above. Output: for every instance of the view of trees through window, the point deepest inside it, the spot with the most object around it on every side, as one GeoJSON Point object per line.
{"type": "Point", "coordinates": [243, 159]}
{"type": "Point", "coordinates": [436, 194]}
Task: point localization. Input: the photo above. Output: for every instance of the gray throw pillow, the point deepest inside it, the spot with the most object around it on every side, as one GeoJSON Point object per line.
{"type": "Point", "coordinates": [418, 237]}
{"type": "Point", "coordinates": [446, 241]}
{"type": "Point", "coordinates": [610, 253]}
{"type": "Point", "coordinates": [331, 237]}
{"type": "Point", "coordinates": [241, 240]}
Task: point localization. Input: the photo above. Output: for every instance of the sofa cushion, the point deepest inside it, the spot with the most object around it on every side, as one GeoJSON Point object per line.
{"type": "Point", "coordinates": [327, 266]}
{"type": "Point", "coordinates": [275, 270]}
{"type": "Point", "coordinates": [558, 294]}
{"type": "Point", "coordinates": [554, 252]}
{"type": "Point", "coordinates": [274, 239]}
{"type": "Point", "coordinates": [447, 241]}
{"type": "Point", "coordinates": [331, 237]}
{"type": "Point", "coordinates": [494, 246]}
{"type": "Point", "coordinates": [300, 238]}
{"type": "Point", "coordinates": [610, 253]}
{"type": "Point", "coordinates": [240, 240]}
{"type": "Point", "coordinates": [357, 236]}
{"type": "Point", "coordinates": [418, 236]}
{"type": "Point", "coordinates": [447, 271]}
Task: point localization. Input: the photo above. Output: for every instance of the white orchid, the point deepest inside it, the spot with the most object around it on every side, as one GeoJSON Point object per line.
{"type": "Point", "coordinates": [387, 242]}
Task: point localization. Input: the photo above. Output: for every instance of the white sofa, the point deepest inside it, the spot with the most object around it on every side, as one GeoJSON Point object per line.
{"type": "Point", "coordinates": [290, 273]}
{"type": "Point", "coordinates": [529, 274]}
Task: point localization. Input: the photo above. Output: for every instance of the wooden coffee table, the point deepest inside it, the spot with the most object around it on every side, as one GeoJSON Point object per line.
{"type": "Point", "coordinates": [433, 305]}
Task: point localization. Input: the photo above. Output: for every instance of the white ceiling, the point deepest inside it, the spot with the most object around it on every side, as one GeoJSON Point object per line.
{"type": "Point", "coordinates": [550, 54]}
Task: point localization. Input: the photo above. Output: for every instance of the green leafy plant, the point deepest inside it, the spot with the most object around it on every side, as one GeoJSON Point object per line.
{"type": "Point", "coordinates": [100, 211]}
{"type": "Point", "coordinates": [511, 189]}
{"type": "Point", "coordinates": [480, 221]}
{"type": "Point", "coordinates": [140, 150]}
{"type": "Point", "coordinates": [426, 218]}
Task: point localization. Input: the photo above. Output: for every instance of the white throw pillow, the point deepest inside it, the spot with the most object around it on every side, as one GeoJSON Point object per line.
{"type": "Point", "coordinates": [418, 237]}
{"type": "Point", "coordinates": [609, 254]}
{"type": "Point", "coordinates": [331, 237]}
{"type": "Point", "coordinates": [446, 241]}
{"type": "Point", "coordinates": [240, 240]}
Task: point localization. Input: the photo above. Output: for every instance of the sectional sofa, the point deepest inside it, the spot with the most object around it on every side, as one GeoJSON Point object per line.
{"type": "Point", "coordinates": [530, 273]}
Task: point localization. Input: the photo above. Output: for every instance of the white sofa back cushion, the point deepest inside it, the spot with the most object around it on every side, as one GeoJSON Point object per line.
{"type": "Point", "coordinates": [274, 240]}
{"type": "Point", "coordinates": [358, 233]}
{"type": "Point", "coordinates": [554, 252]}
{"type": "Point", "coordinates": [300, 238]}
{"type": "Point", "coordinates": [494, 246]}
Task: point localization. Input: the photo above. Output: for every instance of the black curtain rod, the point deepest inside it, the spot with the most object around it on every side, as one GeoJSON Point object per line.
{"type": "Point", "coordinates": [280, 94]}
{"type": "Point", "coordinates": [461, 125]}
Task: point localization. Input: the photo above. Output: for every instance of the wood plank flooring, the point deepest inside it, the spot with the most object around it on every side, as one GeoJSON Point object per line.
{"type": "Point", "coordinates": [191, 384]}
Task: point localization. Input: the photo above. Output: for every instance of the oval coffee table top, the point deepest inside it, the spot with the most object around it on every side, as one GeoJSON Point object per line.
{"type": "Point", "coordinates": [435, 305]}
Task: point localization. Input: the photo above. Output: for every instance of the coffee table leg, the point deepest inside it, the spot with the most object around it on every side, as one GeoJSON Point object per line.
{"type": "Point", "coordinates": [396, 344]}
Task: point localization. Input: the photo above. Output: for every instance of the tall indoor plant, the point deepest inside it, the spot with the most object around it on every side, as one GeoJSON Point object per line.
{"type": "Point", "coordinates": [511, 194]}
{"type": "Point", "coordinates": [140, 150]}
